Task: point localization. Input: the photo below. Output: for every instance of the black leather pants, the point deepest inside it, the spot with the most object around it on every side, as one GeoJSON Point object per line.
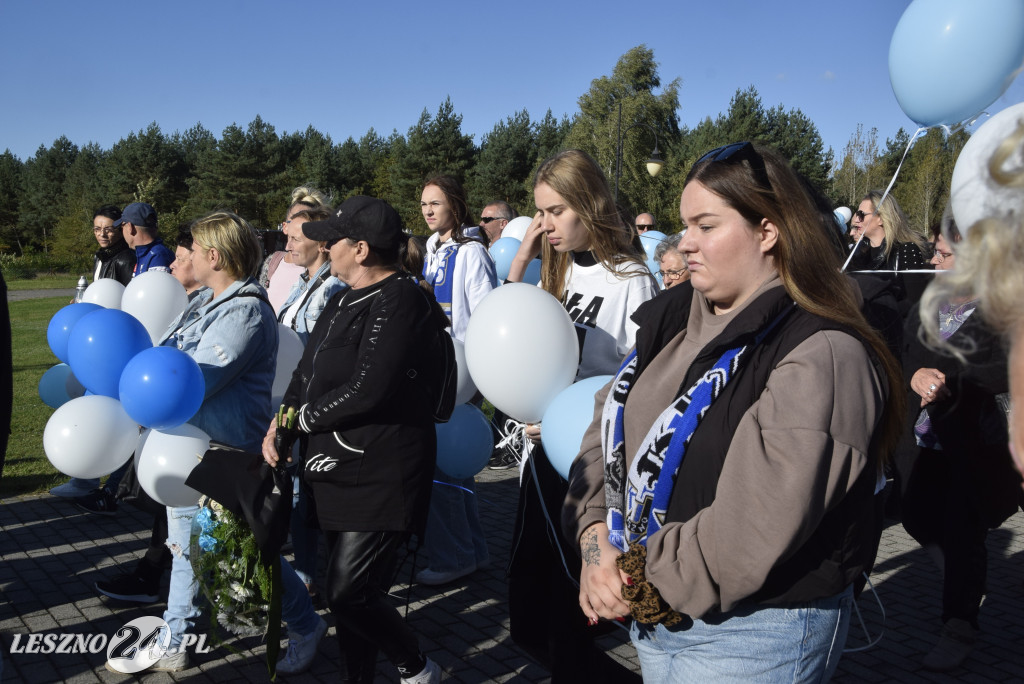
{"type": "Point", "coordinates": [359, 575]}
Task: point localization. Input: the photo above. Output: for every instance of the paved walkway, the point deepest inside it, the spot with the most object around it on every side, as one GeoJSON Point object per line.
{"type": "Point", "coordinates": [19, 295]}
{"type": "Point", "coordinates": [52, 554]}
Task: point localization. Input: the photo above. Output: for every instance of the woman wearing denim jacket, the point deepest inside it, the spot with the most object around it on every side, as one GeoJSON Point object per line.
{"type": "Point", "coordinates": [300, 311]}
{"type": "Point", "coordinates": [310, 293]}
{"type": "Point", "coordinates": [230, 331]}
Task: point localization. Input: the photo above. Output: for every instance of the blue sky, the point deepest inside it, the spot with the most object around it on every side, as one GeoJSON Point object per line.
{"type": "Point", "coordinates": [96, 71]}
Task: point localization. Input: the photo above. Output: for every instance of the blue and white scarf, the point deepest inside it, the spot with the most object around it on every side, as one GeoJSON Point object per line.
{"type": "Point", "coordinates": [638, 501]}
{"type": "Point", "coordinates": [442, 277]}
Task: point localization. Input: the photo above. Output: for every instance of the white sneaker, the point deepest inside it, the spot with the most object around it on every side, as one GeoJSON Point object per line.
{"type": "Point", "coordinates": [301, 651]}
{"type": "Point", "coordinates": [75, 487]}
{"type": "Point", "coordinates": [171, 663]}
{"type": "Point", "coordinates": [431, 674]}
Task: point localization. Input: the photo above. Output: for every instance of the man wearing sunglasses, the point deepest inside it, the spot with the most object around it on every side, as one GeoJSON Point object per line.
{"type": "Point", "coordinates": [494, 218]}
{"type": "Point", "coordinates": [644, 223]}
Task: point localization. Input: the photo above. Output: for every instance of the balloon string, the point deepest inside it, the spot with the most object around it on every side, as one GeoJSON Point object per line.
{"type": "Point", "coordinates": [513, 436]}
{"type": "Point", "coordinates": [468, 491]}
{"type": "Point", "coordinates": [913, 139]}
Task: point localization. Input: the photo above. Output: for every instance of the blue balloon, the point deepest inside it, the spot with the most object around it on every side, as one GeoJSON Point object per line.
{"type": "Point", "coordinates": [59, 329]}
{"type": "Point", "coordinates": [504, 251]}
{"type": "Point", "coordinates": [532, 274]}
{"type": "Point", "coordinates": [161, 388]}
{"type": "Point", "coordinates": [949, 59]}
{"type": "Point", "coordinates": [464, 443]}
{"type": "Point", "coordinates": [655, 268]}
{"type": "Point", "coordinates": [53, 386]}
{"type": "Point", "coordinates": [566, 419]}
{"type": "Point", "coordinates": [650, 240]}
{"type": "Point", "coordinates": [101, 345]}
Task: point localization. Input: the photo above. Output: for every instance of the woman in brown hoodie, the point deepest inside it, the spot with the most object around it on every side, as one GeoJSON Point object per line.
{"type": "Point", "coordinates": [727, 503]}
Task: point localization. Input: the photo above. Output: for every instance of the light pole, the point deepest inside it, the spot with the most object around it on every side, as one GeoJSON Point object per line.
{"type": "Point", "coordinates": [654, 164]}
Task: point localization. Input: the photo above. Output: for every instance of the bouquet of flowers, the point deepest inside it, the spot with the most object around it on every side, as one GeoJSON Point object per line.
{"type": "Point", "coordinates": [226, 560]}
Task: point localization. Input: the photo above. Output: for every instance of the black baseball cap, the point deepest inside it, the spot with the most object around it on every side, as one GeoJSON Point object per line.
{"type": "Point", "coordinates": [359, 218]}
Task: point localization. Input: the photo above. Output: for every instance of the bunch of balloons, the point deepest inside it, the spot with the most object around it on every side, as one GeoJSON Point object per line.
{"type": "Point", "coordinates": [106, 346]}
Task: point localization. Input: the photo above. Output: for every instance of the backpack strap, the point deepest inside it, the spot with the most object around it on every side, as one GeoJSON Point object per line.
{"type": "Point", "coordinates": [312, 288]}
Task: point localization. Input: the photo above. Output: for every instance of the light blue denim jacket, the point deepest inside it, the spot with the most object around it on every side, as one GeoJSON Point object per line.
{"type": "Point", "coordinates": [234, 340]}
{"type": "Point", "coordinates": [305, 317]}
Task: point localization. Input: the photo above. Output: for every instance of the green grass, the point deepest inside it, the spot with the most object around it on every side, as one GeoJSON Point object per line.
{"type": "Point", "coordinates": [27, 469]}
{"type": "Point", "coordinates": [44, 281]}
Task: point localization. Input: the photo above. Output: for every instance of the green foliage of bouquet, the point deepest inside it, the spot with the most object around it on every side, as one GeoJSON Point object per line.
{"type": "Point", "coordinates": [226, 560]}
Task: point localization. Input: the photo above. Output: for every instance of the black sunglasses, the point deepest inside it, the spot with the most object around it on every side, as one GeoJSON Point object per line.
{"type": "Point", "coordinates": [738, 152]}
{"type": "Point", "coordinates": [488, 219]}
{"type": "Point", "coordinates": [861, 215]}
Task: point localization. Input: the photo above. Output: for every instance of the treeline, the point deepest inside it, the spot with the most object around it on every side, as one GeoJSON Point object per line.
{"type": "Point", "coordinates": [46, 202]}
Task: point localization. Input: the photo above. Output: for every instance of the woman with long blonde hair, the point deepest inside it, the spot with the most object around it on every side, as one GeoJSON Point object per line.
{"type": "Point", "coordinates": [591, 266]}
{"type": "Point", "coordinates": [891, 244]}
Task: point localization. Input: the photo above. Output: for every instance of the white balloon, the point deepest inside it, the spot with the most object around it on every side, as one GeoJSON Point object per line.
{"type": "Point", "coordinates": [521, 349]}
{"type": "Point", "coordinates": [164, 460]}
{"type": "Point", "coordinates": [156, 299]}
{"type": "Point", "coordinates": [845, 213]}
{"type": "Point", "coordinates": [973, 192]}
{"type": "Point", "coordinates": [516, 228]}
{"type": "Point", "coordinates": [289, 353]}
{"type": "Point", "coordinates": [89, 436]}
{"type": "Point", "coordinates": [465, 388]}
{"type": "Point", "coordinates": [106, 292]}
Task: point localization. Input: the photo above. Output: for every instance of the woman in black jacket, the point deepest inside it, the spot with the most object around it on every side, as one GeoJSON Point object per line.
{"type": "Point", "coordinates": [960, 481]}
{"type": "Point", "coordinates": [365, 394]}
{"type": "Point", "coordinates": [114, 259]}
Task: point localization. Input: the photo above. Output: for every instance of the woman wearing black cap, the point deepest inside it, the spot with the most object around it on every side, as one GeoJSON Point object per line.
{"type": "Point", "coordinates": [363, 391]}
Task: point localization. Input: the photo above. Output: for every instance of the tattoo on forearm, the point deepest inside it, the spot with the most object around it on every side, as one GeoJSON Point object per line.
{"type": "Point", "coordinates": [589, 549]}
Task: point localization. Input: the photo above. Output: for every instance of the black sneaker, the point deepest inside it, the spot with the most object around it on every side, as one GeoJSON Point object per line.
{"type": "Point", "coordinates": [129, 587]}
{"type": "Point", "coordinates": [503, 459]}
{"type": "Point", "coordinates": [97, 501]}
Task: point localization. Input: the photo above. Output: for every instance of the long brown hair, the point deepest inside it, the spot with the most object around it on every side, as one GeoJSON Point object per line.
{"type": "Point", "coordinates": [455, 195]}
{"type": "Point", "coordinates": [759, 183]}
{"type": "Point", "coordinates": [577, 178]}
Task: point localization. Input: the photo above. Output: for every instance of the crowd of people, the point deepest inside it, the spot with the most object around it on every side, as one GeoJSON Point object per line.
{"type": "Point", "coordinates": [735, 468]}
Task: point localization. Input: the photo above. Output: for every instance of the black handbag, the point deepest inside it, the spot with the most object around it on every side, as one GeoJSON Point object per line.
{"type": "Point", "coordinates": [246, 485]}
{"type": "Point", "coordinates": [129, 491]}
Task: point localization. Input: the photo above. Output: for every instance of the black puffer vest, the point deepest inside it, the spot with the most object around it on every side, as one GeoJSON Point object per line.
{"type": "Point", "coordinates": [844, 543]}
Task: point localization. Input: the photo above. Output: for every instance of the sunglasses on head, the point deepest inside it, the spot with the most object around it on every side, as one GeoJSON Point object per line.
{"type": "Point", "coordinates": [738, 152]}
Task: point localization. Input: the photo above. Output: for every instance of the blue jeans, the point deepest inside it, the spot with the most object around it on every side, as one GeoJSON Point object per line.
{"type": "Point", "coordinates": [305, 539]}
{"type": "Point", "coordinates": [454, 539]}
{"type": "Point", "coordinates": [296, 606]}
{"type": "Point", "coordinates": [181, 611]}
{"type": "Point", "coordinates": [751, 643]}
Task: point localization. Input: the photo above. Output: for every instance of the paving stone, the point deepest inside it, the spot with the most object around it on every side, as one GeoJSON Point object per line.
{"type": "Point", "coordinates": [464, 626]}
